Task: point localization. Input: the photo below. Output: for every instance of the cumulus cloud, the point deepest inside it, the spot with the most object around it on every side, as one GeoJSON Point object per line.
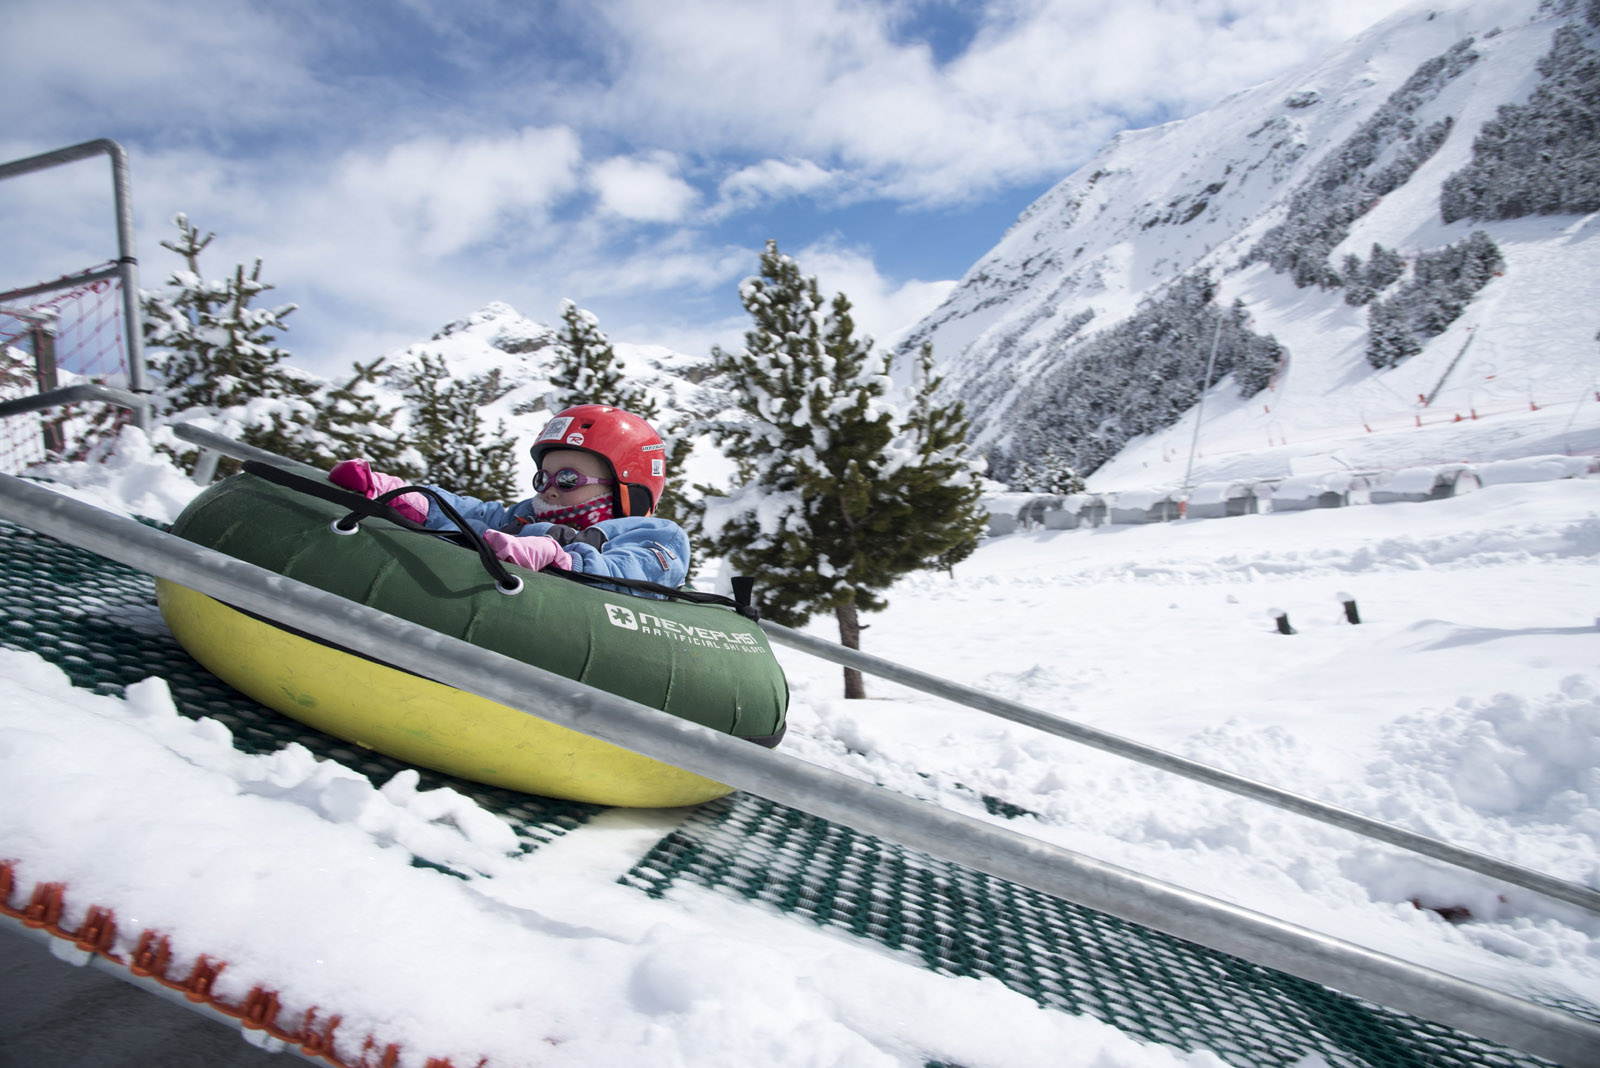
{"type": "Point", "coordinates": [769, 180]}
{"type": "Point", "coordinates": [1040, 85]}
{"type": "Point", "coordinates": [448, 195]}
{"type": "Point", "coordinates": [399, 165]}
{"type": "Point", "coordinates": [883, 309]}
{"type": "Point", "coordinates": [642, 188]}
{"type": "Point", "coordinates": [108, 67]}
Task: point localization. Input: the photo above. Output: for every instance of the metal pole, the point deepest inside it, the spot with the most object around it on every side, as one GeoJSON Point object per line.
{"type": "Point", "coordinates": [127, 263]}
{"type": "Point", "coordinates": [64, 282]}
{"type": "Point", "coordinates": [83, 391]}
{"type": "Point", "coordinates": [998, 851]}
{"type": "Point", "coordinates": [1550, 886]}
{"type": "Point", "coordinates": [1200, 409]}
{"type": "Point", "coordinates": [132, 312]}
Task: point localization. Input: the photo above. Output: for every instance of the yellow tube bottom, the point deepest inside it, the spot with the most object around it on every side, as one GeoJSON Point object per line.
{"type": "Point", "coordinates": [415, 719]}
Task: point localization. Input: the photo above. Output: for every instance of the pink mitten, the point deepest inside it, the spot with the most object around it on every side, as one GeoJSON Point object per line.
{"type": "Point", "coordinates": [535, 554]}
{"type": "Point", "coordinates": [358, 475]}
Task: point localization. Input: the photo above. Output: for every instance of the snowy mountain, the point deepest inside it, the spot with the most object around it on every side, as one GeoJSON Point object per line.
{"type": "Point", "coordinates": [1276, 185]}
{"type": "Point", "coordinates": [498, 340]}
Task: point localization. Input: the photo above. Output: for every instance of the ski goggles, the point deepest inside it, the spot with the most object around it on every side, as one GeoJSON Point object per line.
{"type": "Point", "coordinates": [566, 479]}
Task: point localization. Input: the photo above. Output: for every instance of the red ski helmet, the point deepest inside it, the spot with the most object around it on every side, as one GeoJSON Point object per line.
{"type": "Point", "coordinates": [636, 453]}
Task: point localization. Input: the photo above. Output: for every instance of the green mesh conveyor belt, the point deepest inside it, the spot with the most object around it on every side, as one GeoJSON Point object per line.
{"type": "Point", "coordinates": [960, 922]}
{"type": "Point", "coordinates": [98, 621]}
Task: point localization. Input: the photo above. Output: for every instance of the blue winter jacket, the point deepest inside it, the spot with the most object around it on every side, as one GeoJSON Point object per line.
{"type": "Point", "coordinates": [636, 547]}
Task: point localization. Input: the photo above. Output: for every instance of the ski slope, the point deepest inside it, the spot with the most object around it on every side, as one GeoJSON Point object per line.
{"type": "Point", "coordinates": [1466, 705]}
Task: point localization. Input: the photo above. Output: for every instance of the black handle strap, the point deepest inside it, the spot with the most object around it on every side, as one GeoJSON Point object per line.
{"type": "Point", "coordinates": [380, 508]}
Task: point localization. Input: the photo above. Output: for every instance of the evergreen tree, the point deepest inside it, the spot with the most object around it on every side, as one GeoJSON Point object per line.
{"type": "Point", "coordinates": [1541, 157]}
{"type": "Point", "coordinates": [1443, 283]}
{"type": "Point", "coordinates": [220, 351]}
{"type": "Point", "coordinates": [837, 494]}
{"type": "Point", "coordinates": [587, 371]}
{"type": "Point", "coordinates": [352, 421]}
{"type": "Point", "coordinates": [1356, 290]}
{"type": "Point", "coordinates": [217, 358]}
{"type": "Point", "coordinates": [449, 430]}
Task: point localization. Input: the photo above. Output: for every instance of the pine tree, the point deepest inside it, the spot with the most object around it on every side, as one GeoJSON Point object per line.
{"type": "Point", "coordinates": [217, 358]}
{"type": "Point", "coordinates": [352, 421]}
{"type": "Point", "coordinates": [587, 371]}
{"type": "Point", "coordinates": [837, 495]}
{"type": "Point", "coordinates": [220, 350]}
{"type": "Point", "coordinates": [944, 481]}
{"type": "Point", "coordinates": [448, 429]}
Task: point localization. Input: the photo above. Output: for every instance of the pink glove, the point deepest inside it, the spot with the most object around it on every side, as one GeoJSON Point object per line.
{"type": "Point", "coordinates": [358, 475]}
{"type": "Point", "coordinates": [533, 553]}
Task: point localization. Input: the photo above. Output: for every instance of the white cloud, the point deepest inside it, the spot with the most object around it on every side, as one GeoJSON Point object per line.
{"type": "Point", "coordinates": [771, 179]}
{"type": "Point", "coordinates": [644, 189]}
{"type": "Point", "coordinates": [449, 195]}
{"type": "Point", "coordinates": [191, 65]}
{"type": "Point", "coordinates": [882, 308]}
{"type": "Point", "coordinates": [1042, 83]}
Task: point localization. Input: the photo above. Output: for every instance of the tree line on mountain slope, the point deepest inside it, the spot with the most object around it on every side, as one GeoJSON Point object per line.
{"type": "Point", "coordinates": [1541, 157]}
{"type": "Point", "coordinates": [1133, 378]}
{"type": "Point", "coordinates": [1379, 157]}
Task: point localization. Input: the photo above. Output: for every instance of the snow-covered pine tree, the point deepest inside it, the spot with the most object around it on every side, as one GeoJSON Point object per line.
{"type": "Point", "coordinates": [448, 429]}
{"type": "Point", "coordinates": [352, 421]}
{"type": "Point", "coordinates": [833, 498]}
{"type": "Point", "coordinates": [945, 483]}
{"type": "Point", "coordinates": [1541, 157]}
{"type": "Point", "coordinates": [217, 358]}
{"type": "Point", "coordinates": [587, 371]}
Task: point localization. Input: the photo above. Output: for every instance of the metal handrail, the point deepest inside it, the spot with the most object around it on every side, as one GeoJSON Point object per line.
{"type": "Point", "coordinates": [1548, 885]}
{"type": "Point", "coordinates": [83, 391]}
{"type": "Point", "coordinates": [869, 809]}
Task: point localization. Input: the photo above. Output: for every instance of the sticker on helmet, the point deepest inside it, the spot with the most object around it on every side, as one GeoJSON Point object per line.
{"type": "Point", "coordinates": [658, 467]}
{"type": "Point", "coordinates": [554, 429]}
{"type": "Point", "coordinates": [652, 448]}
{"type": "Point", "coordinates": [575, 438]}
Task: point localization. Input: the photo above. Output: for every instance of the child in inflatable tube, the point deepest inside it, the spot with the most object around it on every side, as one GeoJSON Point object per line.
{"type": "Point", "coordinates": [601, 474]}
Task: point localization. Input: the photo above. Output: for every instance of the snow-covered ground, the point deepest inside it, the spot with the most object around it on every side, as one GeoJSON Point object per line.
{"type": "Point", "coordinates": [1466, 705]}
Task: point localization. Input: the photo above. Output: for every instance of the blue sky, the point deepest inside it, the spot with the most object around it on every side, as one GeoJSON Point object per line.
{"type": "Point", "coordinates": [400, 164]}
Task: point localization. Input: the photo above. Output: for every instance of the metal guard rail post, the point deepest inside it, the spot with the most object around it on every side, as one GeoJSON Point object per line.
{"type": "Point", "coordinates": [127, 268]}
{"type": "Point", "coordinates": [84, 391]}
{"type": "Point", "coordinates": [998, 851]}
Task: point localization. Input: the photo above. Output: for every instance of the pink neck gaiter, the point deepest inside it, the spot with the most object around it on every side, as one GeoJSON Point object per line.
{"type": "Point", "coordinates": [579, 516]}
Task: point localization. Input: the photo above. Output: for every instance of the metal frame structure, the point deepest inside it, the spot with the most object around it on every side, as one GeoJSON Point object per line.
{"type": "Point", "coordinates": [999, 851]}
{"type": "Point", "coordinates": [126, 267]}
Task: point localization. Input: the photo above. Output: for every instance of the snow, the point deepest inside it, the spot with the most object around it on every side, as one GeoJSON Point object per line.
{"type": "Point", "coordinates": [1466, 706]}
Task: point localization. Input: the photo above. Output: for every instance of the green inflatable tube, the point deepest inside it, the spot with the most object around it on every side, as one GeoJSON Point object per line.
{"type": "Point", "coordinates": [704, 663]}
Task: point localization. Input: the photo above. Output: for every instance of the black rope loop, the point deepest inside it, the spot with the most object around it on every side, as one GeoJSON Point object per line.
{"type": "Point", "coordinates": [505, 581]}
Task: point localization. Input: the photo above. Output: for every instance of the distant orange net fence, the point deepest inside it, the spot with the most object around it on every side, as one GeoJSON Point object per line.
{"type": "Point", "coordinates": [52, 337]}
